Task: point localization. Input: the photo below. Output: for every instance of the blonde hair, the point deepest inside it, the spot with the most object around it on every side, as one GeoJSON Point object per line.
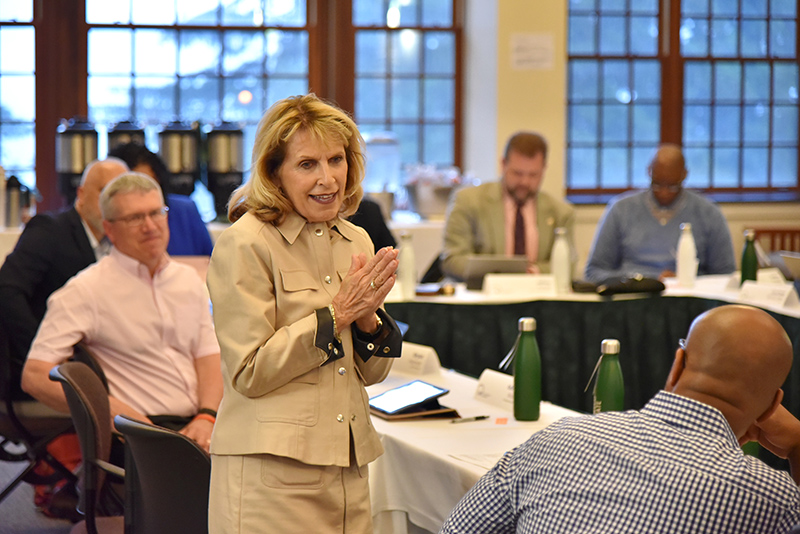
{"type": "Point", "coordinates": [326, 123]}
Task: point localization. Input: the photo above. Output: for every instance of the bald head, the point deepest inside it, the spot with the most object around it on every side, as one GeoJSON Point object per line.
{"type": "Point", "coordinates": [95, 177]}
{"type": "Point", "coordinates": [667, 171]}
{"type": "Point", "coordinates": [736, 359]}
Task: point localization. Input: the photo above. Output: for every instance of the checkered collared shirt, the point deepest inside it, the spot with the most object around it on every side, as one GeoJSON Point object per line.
{"type": "Point", "coordinates": [675, 466]}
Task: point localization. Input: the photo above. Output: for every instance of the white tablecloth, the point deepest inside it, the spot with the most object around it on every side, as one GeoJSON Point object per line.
{"type": "Point", "coordinates": [419, 477]}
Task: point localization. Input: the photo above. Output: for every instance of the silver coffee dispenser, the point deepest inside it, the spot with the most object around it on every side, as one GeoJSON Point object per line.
{"type": "Point", "coordinates": [76, 147]}
{"type": "Point", "coordinates": [225, 164]}
{"type": "Point", "coordinates": [124, 132]}
{"type": "Point", "coordinates": [179, 147]}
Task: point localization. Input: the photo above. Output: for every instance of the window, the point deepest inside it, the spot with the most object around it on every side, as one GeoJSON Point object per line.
{"type": "Point", "coordinates": [405, 79]}
{"type": "Point", "coordinates": [17, 91]}
{"type": "Point", "coordinates": [193, 61]}
{"type": "Point", "coordinates": [726, 91]}
{"type": "Point", "coordinates": [154, 61]}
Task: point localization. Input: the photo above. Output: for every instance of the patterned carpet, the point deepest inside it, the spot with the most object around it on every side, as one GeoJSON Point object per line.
{"type": "Point", "coordinates": [17, 512]}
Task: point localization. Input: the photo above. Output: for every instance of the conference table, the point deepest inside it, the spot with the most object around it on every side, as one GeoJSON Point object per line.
{"type": "Point", "coordinates": [429, 464]}
{"type": "Point", "coordinates": [472, 331]}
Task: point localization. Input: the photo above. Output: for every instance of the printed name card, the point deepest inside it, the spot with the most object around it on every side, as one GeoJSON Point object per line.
{"type": "Point", "coordinates": [769, 275]}
{"type": "Point", "coordinates": [496, 388]}
{"type": "Point", "coordinates": [520, 284]}
{"type": "Point", "coordinates": [417, 360]}
{"type": "Point", "coordinates": [783, 296]}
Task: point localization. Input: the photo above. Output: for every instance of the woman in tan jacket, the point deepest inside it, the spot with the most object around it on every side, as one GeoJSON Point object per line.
{"type": "Point", "coordinates": [297, 296]}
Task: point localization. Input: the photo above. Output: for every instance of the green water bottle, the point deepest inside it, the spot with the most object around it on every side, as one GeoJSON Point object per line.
{"type": "Point", "coordinates": [749, 257]}
{"type": "Point", "coordinates": [751, 448]}
{"type": "Point", "coordinates": [527, 372]}
{"type": "Point", "coordinates": [609, 389]}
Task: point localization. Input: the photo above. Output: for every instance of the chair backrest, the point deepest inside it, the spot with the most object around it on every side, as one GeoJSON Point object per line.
{"type": "Point", "coordinates": [173, 477]}
{"type": "Point", "coordinates": [775, 239]}
{"type": "Point", "coordinates": [82, 353]}
{"type": "Point", "coordinates": [91, 415]}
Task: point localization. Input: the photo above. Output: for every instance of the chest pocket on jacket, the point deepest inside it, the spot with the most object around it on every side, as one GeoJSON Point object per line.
{"type": "Point", "coordinates": [298, 281]}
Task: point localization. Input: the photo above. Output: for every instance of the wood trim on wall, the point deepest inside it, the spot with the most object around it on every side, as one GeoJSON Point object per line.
{"type": "Point", "coordinates": [61, 62]}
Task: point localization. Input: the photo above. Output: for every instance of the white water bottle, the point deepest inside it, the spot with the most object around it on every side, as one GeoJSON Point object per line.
{"type": "Point", "coordinates": [560, 263]}
{"type": "Point", "coordinates": [407, 274]}
{"type": "Point", "coordinates": [687, 257]}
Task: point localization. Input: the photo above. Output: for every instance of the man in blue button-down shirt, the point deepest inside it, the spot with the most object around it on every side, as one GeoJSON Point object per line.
{"type": "Point", "coordinates": [674, 466]}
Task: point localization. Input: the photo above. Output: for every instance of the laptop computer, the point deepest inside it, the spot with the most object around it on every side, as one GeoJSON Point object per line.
{"type": "Point", "coordinates": [479, 265]}
{"type": "Point", "coordinates": [792, 262]}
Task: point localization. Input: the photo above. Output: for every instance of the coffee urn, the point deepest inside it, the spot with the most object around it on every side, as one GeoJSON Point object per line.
{"type": "Point", "coordinates": [76, 147]}
{"type": "Point", "coordinates": [178, 146]}
{"type": "Point", "coordinates": [124, 132]}
{"type": "Point", "coordinates": [225, 164]}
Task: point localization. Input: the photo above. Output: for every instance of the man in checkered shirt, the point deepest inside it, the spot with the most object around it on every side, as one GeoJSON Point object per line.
{"type": "Point", "coordinates": [674, 466]}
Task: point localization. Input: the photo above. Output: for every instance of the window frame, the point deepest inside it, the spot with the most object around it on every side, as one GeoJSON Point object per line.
{"type": "Point", "coordinates": [61, 36]}
{"type": "Point", "coordinates": [673, 65]}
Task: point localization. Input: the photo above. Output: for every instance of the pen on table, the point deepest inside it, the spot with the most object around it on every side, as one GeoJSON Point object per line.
{"type": "Point", "coordinates": [470, 419]}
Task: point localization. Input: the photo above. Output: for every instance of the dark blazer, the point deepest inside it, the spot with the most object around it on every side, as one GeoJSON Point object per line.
{"type": "Point", "coordinates": [50, 251]}
{"type": "Point", "coordinates": [370, 218]}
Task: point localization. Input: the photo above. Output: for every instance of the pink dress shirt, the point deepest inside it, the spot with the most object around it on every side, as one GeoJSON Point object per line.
{"type": "Point", "coordinates": [145, 331]}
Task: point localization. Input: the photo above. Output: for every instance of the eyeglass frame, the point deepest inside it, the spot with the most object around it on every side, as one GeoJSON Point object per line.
{"type": "Point", "coordinates": [655, 186]}
{"type": "Point", "coordinates": [137, 219]}
{"type": "Point", "coordinates": [682, 346]}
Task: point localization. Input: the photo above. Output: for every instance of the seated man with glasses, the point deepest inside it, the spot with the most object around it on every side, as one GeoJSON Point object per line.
{"type": "Point", "coordinates": [639, 231]}
{"type": "Point", "coordinates": [675, 465]}
{"type": "Point", "coordinates": [145, 317]}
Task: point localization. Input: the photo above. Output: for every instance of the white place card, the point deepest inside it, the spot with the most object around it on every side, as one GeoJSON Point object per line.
{"type": "Point", "coordinates": [783, 296]}
{"type": "Point", "coordinates": [417, 360]}
{"type": "Point", "coordinates": [496, 388]}
{"type": "Point", "coordinates": [543, 285]}
{"type": "Point", "coordinates": [769, 275]}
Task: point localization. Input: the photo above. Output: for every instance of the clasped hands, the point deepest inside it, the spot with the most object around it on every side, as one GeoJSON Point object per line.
{"type": "Point", "coordinates": [364, 289]}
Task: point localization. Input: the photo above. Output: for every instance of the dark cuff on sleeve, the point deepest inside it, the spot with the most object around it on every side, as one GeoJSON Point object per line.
{"type": "Point", "coordinates": [325, 338]}
{"type": "Point", "coordinates": [385, 344]}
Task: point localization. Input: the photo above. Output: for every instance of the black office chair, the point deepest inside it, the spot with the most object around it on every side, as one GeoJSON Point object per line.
{"type": "Point", "coordinates": [173, 474]}
{"type": "Point", "coordinates": [89, 407]}
{"type": "Point", "coordinates": [26, 428]}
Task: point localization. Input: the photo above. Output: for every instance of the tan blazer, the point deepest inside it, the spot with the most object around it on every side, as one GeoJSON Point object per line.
{"type": "Point", "coordinates": [281, 394]}
{"type": "Point", "coordinates": [476, 225]}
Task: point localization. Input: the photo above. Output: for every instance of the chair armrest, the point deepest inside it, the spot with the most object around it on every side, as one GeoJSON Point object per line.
{"type": "Point", "coordinates": [111, 469]}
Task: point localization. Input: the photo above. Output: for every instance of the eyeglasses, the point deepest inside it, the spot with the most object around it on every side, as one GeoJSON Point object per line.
{"type": "Point", "coordinates": [137, 219]}
{"type": "Point", "coordinates": [682, 346]}
{"type": "Point", "coordinates": [655, 186]}
{"type": "Point", "coordinates": [661, 187]}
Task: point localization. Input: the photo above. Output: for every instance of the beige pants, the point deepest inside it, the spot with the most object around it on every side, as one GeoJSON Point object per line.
{"type": "Point", "coordinates": [263, 493]}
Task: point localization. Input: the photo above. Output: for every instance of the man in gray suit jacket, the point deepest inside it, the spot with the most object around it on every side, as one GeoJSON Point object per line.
{"type": "Point", "coordinates": [510, 216]}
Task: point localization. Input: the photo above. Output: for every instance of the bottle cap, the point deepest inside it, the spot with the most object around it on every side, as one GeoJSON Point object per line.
{"type": "Point", "coordinates": [527, 324]}
{"type": "Point", "coordinates": [749, 234]}
{"type": "Point", "coordinates": [686, 226]}
{"type": "Point", "coordinates": [560, 231]}
{"type": "Point", "coordinates": [609, 346]}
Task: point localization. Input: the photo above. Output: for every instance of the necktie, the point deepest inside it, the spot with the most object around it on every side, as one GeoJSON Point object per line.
{"type": "Point", "coordinates": [519, 232]}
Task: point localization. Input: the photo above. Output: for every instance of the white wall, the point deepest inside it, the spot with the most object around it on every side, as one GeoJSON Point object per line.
{"type": "Point", "coordinates": [501, 100]}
